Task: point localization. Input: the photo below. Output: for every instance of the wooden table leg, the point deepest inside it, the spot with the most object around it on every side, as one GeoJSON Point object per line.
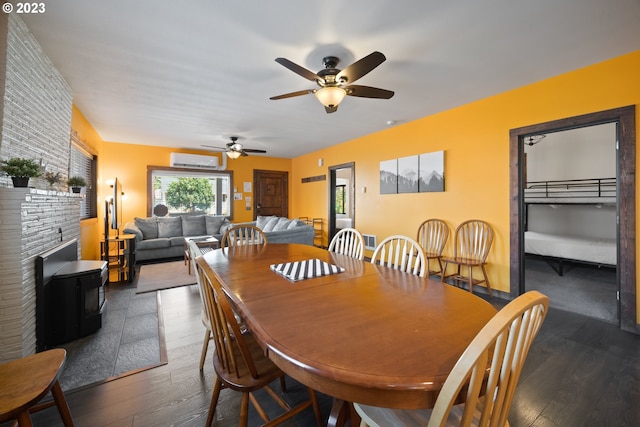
{"type": "Point", "coordinates": [343, 414]}
{"type": "Point", "coordinates": [62, 405]}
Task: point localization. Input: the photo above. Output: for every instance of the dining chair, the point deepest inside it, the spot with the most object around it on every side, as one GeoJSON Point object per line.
{"type": "Point", "coordinates": [473, 239]}
{"type": "Point", "coordinates": [27, 380]}
{"type": "Point", "coordinates": [400, 253]}
{"type": "Point", "coordinates": [194, 253]}
{"type": "Point", "coordinates": [432, 236]}
{"type": "Point", "coordinates": [486, 374]}
{"type": "Point", "coordinates": [239, 362]}
{"type": "Point", "coordinates": [241, 235]}
{"type": "Point", "coordinates": [348, 241]}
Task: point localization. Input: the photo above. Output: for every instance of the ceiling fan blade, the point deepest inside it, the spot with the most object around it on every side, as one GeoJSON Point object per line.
{"type": "Point", "coordinates": [292, 94]}
{"type": "Point", "coordinates": [243, 153]}
{"type": "Point", "coordinates": [253, 150]}
{"type": "Point", "coordinates": [361, 67]}
{"type": "Point", "coordinates": [215, 148]}
{"type": "Point", "coordinates": [331, 109]}
{"type": "Point", "coordinates": [307, 74]}
{"type": "Point", "coordinates": [368, 92]}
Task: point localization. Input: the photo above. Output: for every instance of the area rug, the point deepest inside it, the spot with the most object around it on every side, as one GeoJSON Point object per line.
{"type": "Point", "coordinates": [130, 340]}
{"type": "Point", "coordinates": [166, 275]}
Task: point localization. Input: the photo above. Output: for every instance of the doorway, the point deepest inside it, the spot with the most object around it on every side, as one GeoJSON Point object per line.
{"type": "Point", "coordinates": [624, 120]}
{"type": "Point", "coordinates": [570, 236]}
{"type": "Point", "coordinates": [341, 198]}
{"type": "Point", "coordinates": [270, 193]}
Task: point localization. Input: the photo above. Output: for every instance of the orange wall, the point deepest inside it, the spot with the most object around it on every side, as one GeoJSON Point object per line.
{"type": "Point", "coordinates": [475, 138]}
{"type": "Point", "coordinates": [89, 228]}
{"type": "Point", "coordinates": [128, 162]}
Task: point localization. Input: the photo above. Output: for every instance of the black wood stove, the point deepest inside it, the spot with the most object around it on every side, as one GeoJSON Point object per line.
{"type": "Point", "coordinates": [70, 295]}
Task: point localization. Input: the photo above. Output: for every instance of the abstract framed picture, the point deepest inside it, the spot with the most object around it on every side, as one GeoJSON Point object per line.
{"type": "Point", "coordinates": [389, 176]}
{"type": "Point", "coordinates": [431, 172]}
{"type": "Point", "coordinates": [408, 174]}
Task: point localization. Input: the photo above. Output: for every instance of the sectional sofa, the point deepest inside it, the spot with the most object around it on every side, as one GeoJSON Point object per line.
{"type": "Point", "coordinates": [163, 237]}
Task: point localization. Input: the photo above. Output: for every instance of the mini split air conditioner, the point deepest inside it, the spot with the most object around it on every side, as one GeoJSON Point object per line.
{"type": "Point", "coordinates": [194, 161]}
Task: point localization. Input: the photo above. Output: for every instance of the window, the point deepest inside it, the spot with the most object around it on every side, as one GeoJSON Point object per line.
{"type": "Point", "coordinates": [84, 163]}
{"type": "Point", "coordinates": [341, 199]}
{"type": "Point", "coordinates": [175, 191]}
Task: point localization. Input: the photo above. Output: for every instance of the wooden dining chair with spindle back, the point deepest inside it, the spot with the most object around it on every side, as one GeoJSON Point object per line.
{"type": "Point", "coordinates": [473, 239]}
{"type": "Point", "coordinates": [241, 235]}
{"type": "Point", "coordinates": [348, 241]}
{"type": "Point", "coordinates": [400, 253]}
{"type": "Point", "coordinates": [194, 252]}
{"type": "Point", "coordinates": [501, 346]}
{"type": "Point", "coordinates": [432, 236]}
{"type": "Point", "coordinates": [239, 362]}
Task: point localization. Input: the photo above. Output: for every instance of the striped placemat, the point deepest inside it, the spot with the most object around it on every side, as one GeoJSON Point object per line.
{"type": "Point", "coordinates": [299, 270]}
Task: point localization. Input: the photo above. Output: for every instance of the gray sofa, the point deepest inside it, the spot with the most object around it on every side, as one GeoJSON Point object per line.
{"type": "Point", "coordinates": [283, 230]}
{"type": "Point", "coordinates": [163, 237]}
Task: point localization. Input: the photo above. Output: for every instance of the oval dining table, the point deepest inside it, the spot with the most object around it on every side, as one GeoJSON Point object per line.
{"type": "Point", "coordinates": [369, 334]}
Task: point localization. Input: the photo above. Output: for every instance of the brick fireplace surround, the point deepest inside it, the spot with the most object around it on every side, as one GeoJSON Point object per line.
{"type": "Point", "coordinates": [31, 222]}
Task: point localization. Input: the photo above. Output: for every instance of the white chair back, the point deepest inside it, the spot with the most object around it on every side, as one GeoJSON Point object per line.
{"type": "Point", "coordinates": [401, 253]}
{"type": "Point", "coordinates": [348, 241]}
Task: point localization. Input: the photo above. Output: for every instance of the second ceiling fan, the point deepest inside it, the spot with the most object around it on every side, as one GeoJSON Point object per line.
{"type": "Point", "coordinates": [234, 149]}
{"type": "Point", "coordinates": [335, 84]}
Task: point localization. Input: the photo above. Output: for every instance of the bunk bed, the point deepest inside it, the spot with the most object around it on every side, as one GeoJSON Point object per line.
{"type": "Point", "coordinates": [578, 191]}
{"type": "Point", "coordinates": [561, 249]}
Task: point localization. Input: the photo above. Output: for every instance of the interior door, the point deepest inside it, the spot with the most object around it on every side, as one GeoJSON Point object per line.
{"type": "Point", "coordinates": [270, 193]}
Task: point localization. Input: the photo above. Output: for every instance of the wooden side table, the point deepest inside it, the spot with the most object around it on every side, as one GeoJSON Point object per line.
{"type": "Point", "coordinates": [123, 257]}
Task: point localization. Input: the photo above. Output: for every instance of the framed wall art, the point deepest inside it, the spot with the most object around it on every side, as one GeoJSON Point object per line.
{"type": "Point", "coordinates": [389, 176]}
{"type": "Point", "coordinates": [431, 172]}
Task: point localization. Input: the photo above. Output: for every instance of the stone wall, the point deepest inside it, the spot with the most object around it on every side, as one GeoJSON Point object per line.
{"type": "Point", "coordinates": [36, 122]}
{"type": "Point", "coordinates": [33, 221]}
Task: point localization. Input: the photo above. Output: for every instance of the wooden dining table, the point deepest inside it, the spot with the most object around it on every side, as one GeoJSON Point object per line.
{"type": "Point", "coordinates": [369, 334]}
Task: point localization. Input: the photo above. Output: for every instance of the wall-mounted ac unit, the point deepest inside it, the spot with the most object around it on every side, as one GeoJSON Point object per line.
{"type": "Point", "coordinates": [193, 161]}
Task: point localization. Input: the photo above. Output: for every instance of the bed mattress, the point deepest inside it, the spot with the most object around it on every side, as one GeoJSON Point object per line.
{"type": "Point", "coordinates": [598, 251]}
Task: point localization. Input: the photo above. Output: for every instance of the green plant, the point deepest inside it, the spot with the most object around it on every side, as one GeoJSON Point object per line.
{"type": "Point", "coordinates": [190, 193]}
{"type": "Point", "coordinates": [19, 167]}
{"type": "Point", "coordinates": [52, 178]}
{"type": "Point", "coordinates": [76, 181]}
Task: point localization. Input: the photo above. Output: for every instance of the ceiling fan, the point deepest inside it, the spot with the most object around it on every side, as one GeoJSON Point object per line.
{"type": "Point", "coordinates": [335, 84]}
{"type": "Point", "coordinates": [234, 149]}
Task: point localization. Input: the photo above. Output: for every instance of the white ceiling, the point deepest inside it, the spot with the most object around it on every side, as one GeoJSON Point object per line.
{"type": "Point", "coordinates": [193, 72]}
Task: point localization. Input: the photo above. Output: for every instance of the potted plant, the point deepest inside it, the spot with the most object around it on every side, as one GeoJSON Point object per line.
{"type": "Point", "coordinates": [20, 170]}
{"type": "Point", "coordinates": [52, 178]}
{"type": "Point", "coordinates": [76, 183]}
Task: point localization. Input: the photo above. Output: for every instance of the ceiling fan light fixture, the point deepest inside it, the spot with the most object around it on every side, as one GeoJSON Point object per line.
{"type": "Point", "coordinates": [330, 96]}
{"type": "Point", "coordinates": [232, 154]}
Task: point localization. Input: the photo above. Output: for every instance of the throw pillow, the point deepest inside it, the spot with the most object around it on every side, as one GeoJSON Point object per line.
{"type": "Point", "coordinates": [213, 224]}
{"type": "Point", "coordinates": [295, 223]}
{"type": "Point", "coordinates": [194, 225]}
{"type": "Point", "coordinates": [148, 227]}
{"type": "Point", "coordinates": [170, 227]}
{"type": "Point", "coordinates": [282, 224]}
{"type": "Point", "coordinates": [268, 227]}
{"type": "Point", "coordinates": [261, 221]}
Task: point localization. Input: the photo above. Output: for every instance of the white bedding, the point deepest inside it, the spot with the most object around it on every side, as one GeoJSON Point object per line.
{"type": "Point", "coordinates": [599, 251]}
{"type": "Point", "coordinates": [343, 223]}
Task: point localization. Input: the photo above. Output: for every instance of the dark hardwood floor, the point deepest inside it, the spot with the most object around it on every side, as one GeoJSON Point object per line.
{"type": "Point", "coordinates": [580, 372]}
